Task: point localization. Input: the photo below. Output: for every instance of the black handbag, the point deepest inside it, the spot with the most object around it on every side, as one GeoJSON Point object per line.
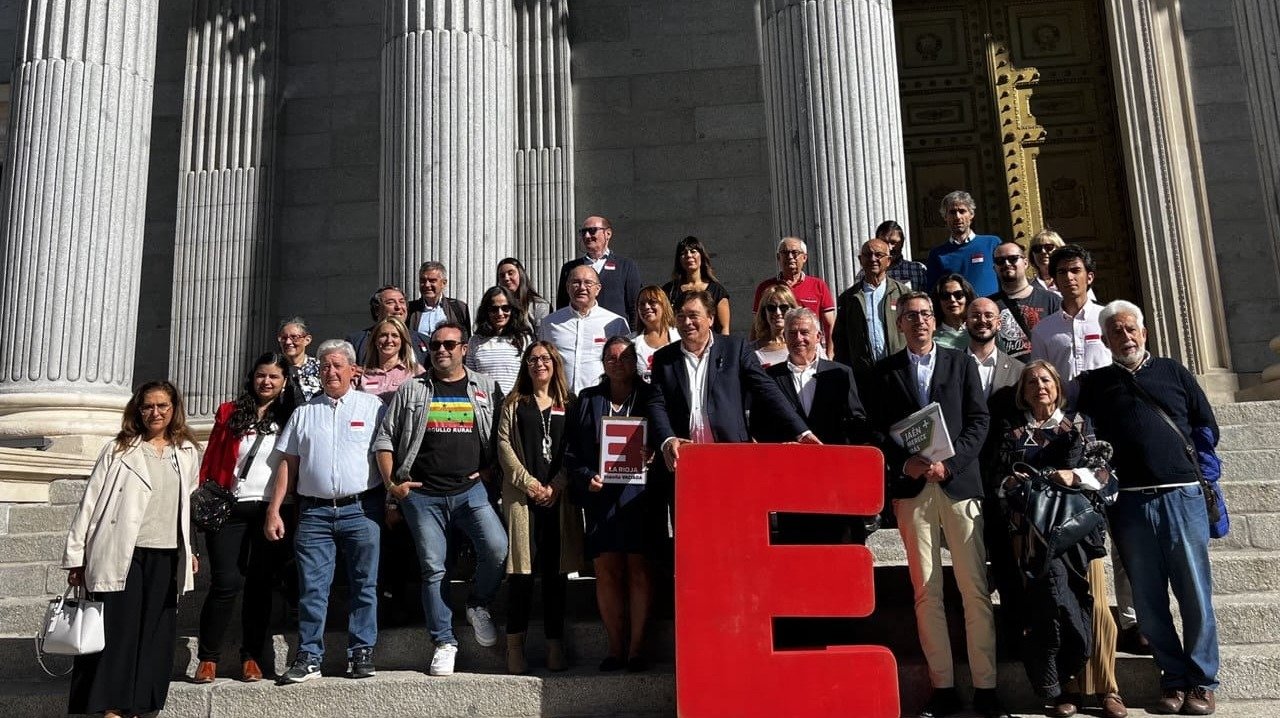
{"type": "Point", "coordinates": [1056, 517]}
{"type": "Point", "coordinates": [211, 504]}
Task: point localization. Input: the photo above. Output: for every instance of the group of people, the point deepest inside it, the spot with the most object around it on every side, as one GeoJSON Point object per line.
{"type": "Point", "coordinates": [488, 428]}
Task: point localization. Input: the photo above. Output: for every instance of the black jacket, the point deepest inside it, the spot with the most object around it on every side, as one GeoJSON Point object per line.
{"type": "Point", "coordinates": [836, 415]}
{"type": "Point", "coordinates": [455, 310]}
{"type": "Point", "coordinates": [619, 285]}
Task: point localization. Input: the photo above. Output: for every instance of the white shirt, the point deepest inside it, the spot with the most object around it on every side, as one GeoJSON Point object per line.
{"type": "Point", "coordinates": [644, 352]}
{"type": "Point", "coordinates": [259, 483]}
{"type": "Point", "coordinates": [986, 369]}
{"type": "Point", "coordinates": [333, 440]}
{"type": "Point", "coordinates": [580, 339]}
{"type": "Point", "coordinates": [696, 367]}
{"type": "Point", "coordinates": [806, 387]}
{"type": "Point", "coordinates": [1073, 345]}
{"type": "Point", "coordinates": [922, 366]}
{"type": "Point", "coordinates": [597, 264]}
{"type": "Point", "coordinates": [429, 318]}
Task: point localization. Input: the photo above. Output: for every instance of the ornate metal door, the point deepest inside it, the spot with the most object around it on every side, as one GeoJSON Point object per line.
{"type": "Point", "coordinates": [1012, 100]}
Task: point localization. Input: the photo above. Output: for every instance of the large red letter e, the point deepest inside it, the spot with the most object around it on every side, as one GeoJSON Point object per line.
{"type": "Point", "coordinates": [731, 583]}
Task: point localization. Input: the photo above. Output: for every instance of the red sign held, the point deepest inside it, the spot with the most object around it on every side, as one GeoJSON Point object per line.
{"type": "Point", "coordinates": [731, 583]}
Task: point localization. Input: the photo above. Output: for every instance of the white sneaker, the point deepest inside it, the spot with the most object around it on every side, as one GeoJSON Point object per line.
{"type": "Point", "coordinates": [442, 661]}
{"type": "Point", "coordinates": [482, 622]}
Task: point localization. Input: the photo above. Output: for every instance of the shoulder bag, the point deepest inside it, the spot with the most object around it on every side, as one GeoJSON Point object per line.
{"type": "Point", "coordinates": [211, 504]}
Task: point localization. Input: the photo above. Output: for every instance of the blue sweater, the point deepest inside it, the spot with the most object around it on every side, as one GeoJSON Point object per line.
{"type": "Point", "coordinates": [1146, 451]}
{"type": "Point", "coordinates": [973, 260]}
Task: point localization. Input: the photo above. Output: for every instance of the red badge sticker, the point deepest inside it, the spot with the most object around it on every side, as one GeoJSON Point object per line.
{"type": "Point", "coordinates": [599, 340]}
{"type": "Point", "coordinates": [557, 411]}
{"type": "Point", "coordinates": [481, 395]}
{"type": "Point", "coordinates": [357, 425]}
{"type": "Point", "coordinates": [1093, 337]}
{"type": "Point", "coordinates": [610, 265]}
{"type": "Point", "coordinates": [976, 259]}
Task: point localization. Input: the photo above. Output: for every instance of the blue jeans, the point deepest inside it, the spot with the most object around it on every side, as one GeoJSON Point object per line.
{"type": "Point", "coordinates": [1163, 539]}
{"type": "Point", "coordinates": [430, 519]}
{"type": "Point", "coordinates": [322, 531]}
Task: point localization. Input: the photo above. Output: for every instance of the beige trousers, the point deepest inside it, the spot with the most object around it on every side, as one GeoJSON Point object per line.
{"type": "Point", "coordinates": [1100, 672]}
{"type": "Point", "coordinates": [923, 522]}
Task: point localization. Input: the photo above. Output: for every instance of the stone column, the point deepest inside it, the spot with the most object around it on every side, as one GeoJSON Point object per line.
{"type": "Point", "coordinates": [1258, 36]}
{"type": "Point", "coordinates": [447, 139]}
{"type": "Point", "coordinates": [221, 253]}
{"type": "Point", "coordinates": [73, 199]}
{"type": "Point", "coordinates": [545, 220]}
{"type": "Point", "coordinates": [834, 125]}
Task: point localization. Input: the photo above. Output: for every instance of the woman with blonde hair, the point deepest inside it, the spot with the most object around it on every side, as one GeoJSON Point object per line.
{"type": "Point", "coordinates": [389, 360]}
{"type": "Point", "coordinates": [544, 530]}
{"type": "Point", "coordinates": [766, 331]}
{"type": "Point", "coordinates": [1042, 245]}
{"type": "Point", "coordinates": [130, 546]}
{"type": "Point", "coordinates": [657, 327]}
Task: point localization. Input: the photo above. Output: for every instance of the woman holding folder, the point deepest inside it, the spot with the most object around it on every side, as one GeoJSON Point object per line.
{"type": "Point", "coordinates": [624, 521]}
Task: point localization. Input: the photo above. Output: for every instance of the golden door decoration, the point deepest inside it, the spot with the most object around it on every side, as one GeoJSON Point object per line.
{"type": "Point", "coordinates": [1013, 101]}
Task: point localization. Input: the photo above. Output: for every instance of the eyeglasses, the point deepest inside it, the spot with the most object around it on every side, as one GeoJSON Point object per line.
{"type": "Point", "coordinates": [1044, 248]}
{"type": "Point", "coordinates": [446, 344]}
{"type": "Point", "coordinates": [778, 308]}
{"type": "Point", "coordinates": [583, 283]}
{"type": "Point", "coordinates": [986, 316]}
{"type": "Point", "coordinates": [790, 252]}
{"type": "Point", "coordinates": [951, 295]}
{"type": "Point", "coordinates": [295, 338]}
{"type": "Point", "coordinates": [1009, 259]}
{"type": "Point", "coordinates": [921, 316]}
{"type": "Point", "coordinates": [538, 359]}
{"type": "Point", "coordinates": [868, 256]}
{"type": "Point", "coordinates": [590, 231]}
{"type": "Point", "coordinates": [504, 308]}
{"type": "Point", "coordinates": [154, 408]}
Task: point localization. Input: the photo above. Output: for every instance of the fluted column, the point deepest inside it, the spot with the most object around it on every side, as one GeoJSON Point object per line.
{"type": "Point", "coordinates": [71, 219]}
{"type": "Point", "coordinates": [545, 220]}
{"type": "Point", "coordinates": [1258, 36]}
{"type": "Point", "coordinates": [222, 238]}
{"type": "Point", "coordinates": [447, 140]}
{"type": "Point", "coordinates": [834, 125]}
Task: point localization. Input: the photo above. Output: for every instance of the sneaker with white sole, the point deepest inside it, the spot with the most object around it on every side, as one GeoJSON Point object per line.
{"type": "Point", "coordinates": [482, 622]}
{"type": "Point", "coordinates": [442, 661]}
{"type": "Point", "coordinates": [305, 667]}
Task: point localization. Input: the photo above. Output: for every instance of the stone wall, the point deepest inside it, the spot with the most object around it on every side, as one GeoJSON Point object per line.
{"type": "Point", "coordinates": [671, 136]}
{"type": "Point", "coordinates": [1246, 262]}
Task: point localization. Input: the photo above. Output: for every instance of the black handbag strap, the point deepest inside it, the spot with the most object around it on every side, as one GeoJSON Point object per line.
{"type": "Point", "coordinates": [248, 460]}
{"type": "Point", "coordinates": [1016, 311]}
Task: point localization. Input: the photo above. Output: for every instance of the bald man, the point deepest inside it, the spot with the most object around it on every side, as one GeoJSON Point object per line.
{"type": "Point", "coordinates": [866, 328]}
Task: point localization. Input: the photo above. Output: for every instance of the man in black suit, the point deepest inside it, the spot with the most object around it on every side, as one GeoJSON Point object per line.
{"type": "Point", "coordinates": [937, 499]}
{"type": "Point", "coordinates": [706, 382]}
{"type": "Point", "coordinates": [825, 396]}
{"type": "Point", "coordinates": [619, 276]}
{"type": "Point", "coordinates": [389, 301]}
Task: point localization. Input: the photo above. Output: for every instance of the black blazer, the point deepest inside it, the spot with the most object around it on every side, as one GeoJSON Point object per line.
{"type": "Point", "coordinates": [957, 388]}
{"type": "Point", "coordinates": [836, 415]}
{"type": "Point", "coordinates": [619, 286]}
{"type": "Point", "coordinates": [735, 383]}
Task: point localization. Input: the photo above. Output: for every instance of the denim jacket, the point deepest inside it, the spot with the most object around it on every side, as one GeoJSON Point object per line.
{"type": "Point", "coordinates": [404, 425]}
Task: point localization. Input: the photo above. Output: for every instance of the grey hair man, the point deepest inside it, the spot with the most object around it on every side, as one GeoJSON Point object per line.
{"type": "Point", "coordinates": [965, 253]}
{"type": "Point", "coordinates": [812, 293]}
{"type": "Point", "coordinates": [1159, 423]}
{"type": "Point", "coordinates": [327, 448]}
{"type": "Point", "coordinates": [432, 307]}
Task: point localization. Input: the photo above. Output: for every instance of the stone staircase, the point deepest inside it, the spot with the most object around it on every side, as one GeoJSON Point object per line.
{"type": "Point", "coordinates": [1246, 577]}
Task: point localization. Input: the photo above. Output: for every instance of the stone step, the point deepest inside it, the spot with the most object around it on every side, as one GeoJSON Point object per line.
{"type": "Point", "coordinates": [33, 547]}
{"type": "Point", "coordinates": [579, 692]}
{"type": "Point", "coordinates": [1250, 465]}
{"type": "Point", "coordinates": [1247, 412]}
{"type": "Point", "coordinates": [1262, 435]}
{"type": "Point", "coordinates": [1245, 571]}
{"type": "Point", "coordinates": [1249, 497]}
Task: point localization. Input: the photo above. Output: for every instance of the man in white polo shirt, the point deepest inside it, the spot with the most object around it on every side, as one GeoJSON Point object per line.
{"type": "Point", "coordinates": [579, 330]}
{"type": "Point", "coordinates": [327, 447]}
{"type": "Point", "coordinates": [1071, 338]}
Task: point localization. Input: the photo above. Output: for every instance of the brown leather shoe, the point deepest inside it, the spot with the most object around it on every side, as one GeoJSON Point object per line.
{"type": "Point", "coordinates": [1199, 702]}
{"type": "Point", "coordinates": [1065, 707]}
{"type": "Point", "coordinates": [1113, 705]}
{"type": "Point", "coordinates": [1170, 703]}
{"type": "Point", "coordinates": [206, 672]}
{"type": "Point", "coordinates": [250, 671]}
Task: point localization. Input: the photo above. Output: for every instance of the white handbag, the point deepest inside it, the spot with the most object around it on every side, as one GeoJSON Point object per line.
{"type": "Point", "coordinates": [72, 626]}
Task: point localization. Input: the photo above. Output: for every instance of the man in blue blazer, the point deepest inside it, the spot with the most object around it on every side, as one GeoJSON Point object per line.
{"type": "Point", "coordinates": [619, 276]}
{"type": "Point", "coordinates": [705, 384]}
{"type": "Point", "coordinates": [936, 500]}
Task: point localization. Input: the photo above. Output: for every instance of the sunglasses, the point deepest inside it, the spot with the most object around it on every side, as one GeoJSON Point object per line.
{"type": "Point", "coordinates": [590, 231]}
{"type": "Point", "coordinates": [951, 295]}
{"type": "Point", "coordinates": [504, 308]}
{"type": "Point", "coordinates": [1009, 259]}
{"type": "Point", "coordinates": [1044, 248]}
{"type": "Point", "coordinates": [446, 344]}
{"type": "Point", "coordinates": [778, 308]}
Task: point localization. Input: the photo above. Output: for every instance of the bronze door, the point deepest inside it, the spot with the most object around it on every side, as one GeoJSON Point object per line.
{"type": "Point", "coordinates": [1013, 101]}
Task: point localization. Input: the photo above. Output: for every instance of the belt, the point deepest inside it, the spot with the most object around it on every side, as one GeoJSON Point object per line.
{"type": "Point", "coordinates": [1156, 490]}
{"type": "Point", "coordinates": [338, 502]}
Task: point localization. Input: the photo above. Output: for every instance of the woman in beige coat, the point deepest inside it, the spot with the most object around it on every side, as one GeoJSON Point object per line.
{"type": "Point", "coordinates": [544, 529]}
{"type": "Point", "coordinates": [130, 546]}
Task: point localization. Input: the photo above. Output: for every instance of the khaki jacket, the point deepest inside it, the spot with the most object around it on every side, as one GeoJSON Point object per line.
{"type": "Point", "coordinates": [106, 525]}
{"type": "Point", "coordinates": [515, 503]}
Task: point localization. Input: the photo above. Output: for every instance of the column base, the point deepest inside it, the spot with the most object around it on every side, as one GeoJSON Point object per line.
{"type": "Point", "coordinates": [77, 423]}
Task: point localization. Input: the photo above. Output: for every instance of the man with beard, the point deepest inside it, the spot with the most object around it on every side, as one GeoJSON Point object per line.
{"type": "Point", "coordinates": [1022, 304]}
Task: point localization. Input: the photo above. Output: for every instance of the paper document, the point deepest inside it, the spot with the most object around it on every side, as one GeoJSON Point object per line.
{"type": "Point", "coordinates": [925, 433]}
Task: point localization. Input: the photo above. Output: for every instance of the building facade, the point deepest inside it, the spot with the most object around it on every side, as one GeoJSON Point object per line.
{"type": "Point", "coordinates": [182, 174]}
